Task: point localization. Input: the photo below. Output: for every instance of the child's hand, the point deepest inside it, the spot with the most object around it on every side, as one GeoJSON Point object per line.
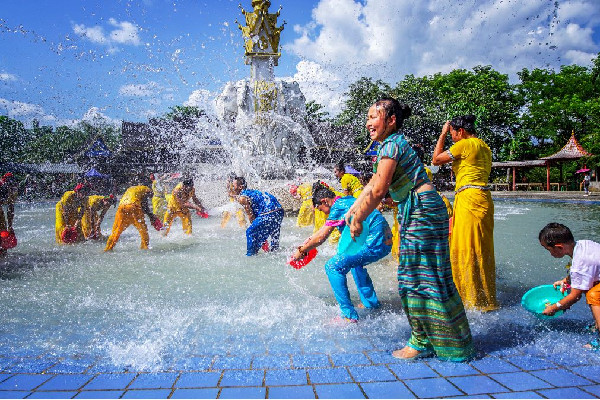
{"type": "Point", "coordinates": [562, 283]}
{"type": "Point", "coordinates": [550, 310]}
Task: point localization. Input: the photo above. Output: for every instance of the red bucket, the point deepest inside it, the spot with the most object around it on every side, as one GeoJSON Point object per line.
{"type": "Point", "coordinates": [7, 240]}
{"type": "Point", "coordinates": [157, 224]}
{"type": "Point", "coordinates": [304, 260]}
{"type": "Point", "coordinates": [69, 235]}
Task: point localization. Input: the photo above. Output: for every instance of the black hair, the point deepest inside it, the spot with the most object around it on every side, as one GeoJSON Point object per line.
{"type": "Point", "coordinates": [320, 192]}
{"type": "Point", "coordinates": [241, 181]}
{"type": "Point", "coordinates": [555, 233]}
{"type": "Point", "coordinates": [188, 182]}
{"type": "Point", "coordinates": [340, 166]}
{"type": "Point", "coordinates": [467, 122]}
{"type": "Point", "coordinates": [393, 107]}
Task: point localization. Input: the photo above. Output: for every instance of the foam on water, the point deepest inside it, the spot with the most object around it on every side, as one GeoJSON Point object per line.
{"type": "Point", "coordinates": [201, 296]}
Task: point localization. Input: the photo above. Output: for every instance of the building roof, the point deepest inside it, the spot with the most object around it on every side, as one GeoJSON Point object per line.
{"type": "Point", "coordinates": [571, 151]}
{"type": "Point", "coordinates": [524, 163]}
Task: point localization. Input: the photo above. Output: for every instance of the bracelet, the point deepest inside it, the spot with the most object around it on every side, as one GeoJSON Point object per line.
{"type": "Point", "coordinates": [558, 305]}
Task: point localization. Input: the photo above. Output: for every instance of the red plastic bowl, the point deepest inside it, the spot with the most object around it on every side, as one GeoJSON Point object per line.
{"type": "Point", "coordinates": [304, 260]}
{"type": "Point", "coordinates": [69, 235]}
{"type": "Point", "coordinates": [7, 240]}
{"type": "Point", "coordinates": [157, 224]}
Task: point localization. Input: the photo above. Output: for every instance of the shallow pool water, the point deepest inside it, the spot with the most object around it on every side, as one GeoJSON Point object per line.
{"type": "Point", "coordinates": [201, 296]}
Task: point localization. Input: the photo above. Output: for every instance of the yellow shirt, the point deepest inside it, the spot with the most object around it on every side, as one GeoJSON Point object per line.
{"type": "Point", "coordinates": [173, 202]}
{"type": "Point", "coordinates": [472, 162]}
{"type": "Point", "coordinates": [93, 201]}
{"type": "Point", "coordinates": [351, 184]}
{"type": "Point", "coordinates": [135, 195]}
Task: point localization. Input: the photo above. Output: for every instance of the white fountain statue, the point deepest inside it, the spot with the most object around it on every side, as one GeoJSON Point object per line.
{"type": "Point", "coordinates": [263, 118]}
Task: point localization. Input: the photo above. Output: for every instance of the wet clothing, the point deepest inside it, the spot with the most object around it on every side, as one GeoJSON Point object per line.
{"type": "Point", "coordinates": [472, 241]}
{"type": "Point", "coordinates": [430, 299]}
{"type": "Point", "coordinates": [176, 209]}
{"type": "Point", "coordinates": [585, 270]}
{"type": "Point", "coordinates": [94, 203]}
{"type": "Point", "coordinates": [351, 184]}
{"type": "Point", "coordinates": [131, 212]}
{"type": "Point", "coordinates": [241, 216]}
{"type": "Point", "coordinates": [159, 202]}
{"type": "Point", "coordinates": [69, 210]}
{"type": "Point", "coordinates": [268, 216]}
{"type": "Point", "coordinates": [7, 198]}
{"type": "Point", "coordinates": [306, 214]}
{"type": "Point", "coordinates": [378, 245]}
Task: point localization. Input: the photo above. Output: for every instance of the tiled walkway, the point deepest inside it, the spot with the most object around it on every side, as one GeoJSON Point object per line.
{"type": "Point", "coordinates": [366, 374]}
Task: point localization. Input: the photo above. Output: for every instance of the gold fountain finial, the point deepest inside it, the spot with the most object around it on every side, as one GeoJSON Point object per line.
{"type": "Point", "coordinates": [261, 33]}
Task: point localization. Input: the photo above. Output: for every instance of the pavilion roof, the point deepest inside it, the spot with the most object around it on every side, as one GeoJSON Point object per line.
{"type": "Point", "coordinates": [571, 151]}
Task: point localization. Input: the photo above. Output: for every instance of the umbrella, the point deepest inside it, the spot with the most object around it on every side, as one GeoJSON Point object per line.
{"type": "Point", "coordinates": [350, 170]}
{"type": "Point", "coordinates": [582, 170]}
{"type": "Point", "coordinates": [93, 173]}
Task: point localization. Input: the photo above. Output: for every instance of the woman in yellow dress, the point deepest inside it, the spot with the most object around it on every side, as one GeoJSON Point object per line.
{"type": "Point", "coordinates": [69, 210]}
{"type": "Point", "coordinates": [306, 214]}
{"type": "Point", "coordinates": [472, 239]}
{"type": "Point", "coordinates": [94, 213]}
{"type": "Point", "coordinates": [351, 186]}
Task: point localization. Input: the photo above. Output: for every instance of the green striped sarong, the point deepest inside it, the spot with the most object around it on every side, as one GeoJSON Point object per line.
{"type": "Point", "coordinates": [430, 300]}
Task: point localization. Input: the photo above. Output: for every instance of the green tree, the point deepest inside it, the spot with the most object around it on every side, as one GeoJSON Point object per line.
{"type": "Point", "coordinates": [13, 139]}
{"type": "Point", "coordinates": [315, 113]}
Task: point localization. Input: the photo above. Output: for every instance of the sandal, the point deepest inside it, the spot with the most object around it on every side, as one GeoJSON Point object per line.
{"type": "Point", "coordinates": [593, 345]}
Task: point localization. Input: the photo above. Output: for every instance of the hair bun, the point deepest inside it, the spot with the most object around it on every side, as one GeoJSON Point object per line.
{"type": "Point", "coordinates": [470, 118]}
{"type": "Point", "coordinates": [406, 111]}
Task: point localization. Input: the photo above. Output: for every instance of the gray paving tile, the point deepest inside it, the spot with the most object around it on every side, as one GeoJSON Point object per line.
{"type": "Point", "coordinates": [30, 366]}
{"type": "Point", "coordinates": [13, 394]}
{"type": "Point", "coordinates": [591, 372]}
{"type": "Point", "coordinates": [520, 381]}
{"type": "Point", "coordinates": [447, 368]}
{"type": "Point", "coordinates": [349, 359]}
{"type": "Point", "coordinates": [52, 395]}
{"type": "Point", "coordinates": [71, 366]}
{"type": "Point", "coordinates": [329, 375]}
{"type": "Point", "coordinates": [595, 389]}
{"type": "Point", "coordinates": [23, 382]}
{"type": "Point", "coordinates": [561, 378]}
{"type": "Point", "coordinates": [147, 394]}
{"type": "Point", "coordinates": [242, 378]}
{"type": "Point", "coordinates": [206, 393]}
{"type": "Point", "coordinates": [99, 394]}
{"type": "Point", "coordinates": [291, 392]}
{"type": "Point", "coordinates": [243, 393]}
{"type": "Point", "coordinates": [274, 362]}
{"type": "Point", "coordinates": [311, 361]}
{"type": "Point", "coordinates": [387, 390]}
{"type": "Point", "coordinates": [66, 382]}
{"type": "Point", "coordinates": [193, 364]}
{"type": "Point", "coordinates": [477, 384]}
{"type": "Point", "coordinates": [198, 379]}
{"type": "Point", "coordinates": [432, 387]}
{"type": "Point", "coordinates": [110, 381]}
{"type": "Point", "coordinates": [285, 377]}
{"type": "Point", "coordinates": [382, 357]}
{"type": "Point", "coordinates": [415, 370]}
{"type": "Point", "coordinates": [343, 391]}
{"type": "Point", "coordinates": [566, 393]}
{"type": "Point", "coordinates": [371, 373]}
{"type": "Point", "coordinates": [492, 365]}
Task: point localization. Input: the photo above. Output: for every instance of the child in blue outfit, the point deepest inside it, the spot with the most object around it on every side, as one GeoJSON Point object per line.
{"type": "Point", "coordinates": [584, 272]}
{"type": "Point", "coordinates": [264, 213]}
{"type": "Point", "coordinates": [377, 246]}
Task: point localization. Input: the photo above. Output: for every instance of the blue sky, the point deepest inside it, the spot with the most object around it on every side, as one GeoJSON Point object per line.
{"type": "Point", "coordinates": [64, 60]}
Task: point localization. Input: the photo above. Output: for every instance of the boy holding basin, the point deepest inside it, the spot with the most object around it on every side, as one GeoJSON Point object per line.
{"type": "Point", "coordinates": [584, 273]}
{"type": "Point", "coordinates": [377, 245]}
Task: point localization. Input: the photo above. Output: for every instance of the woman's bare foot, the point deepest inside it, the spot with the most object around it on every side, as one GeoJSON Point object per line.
{"type": "Point", "coordinates": [406, 353]}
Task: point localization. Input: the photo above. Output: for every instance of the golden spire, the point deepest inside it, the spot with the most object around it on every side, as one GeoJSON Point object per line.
{"type": "Point", "coordinates": [261, 33]}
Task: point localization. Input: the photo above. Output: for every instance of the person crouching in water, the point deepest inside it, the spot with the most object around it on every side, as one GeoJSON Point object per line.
{"type": "Point", "coordinates": [94, 214]}
{"type": "Point", "coordinates": [179, 205]}
{"type": "Point", "coordinates": [378, 245]}
{"type": "Point", "coordinates": [69, 211]}
{"type": "Point", "coordinates": [264, 213]}
{"type": "Point", "coordinates": [132, 207]}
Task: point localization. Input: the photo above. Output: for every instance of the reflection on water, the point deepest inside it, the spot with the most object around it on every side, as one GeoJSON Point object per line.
{"type": "Point", "coordinates": [201, 296]}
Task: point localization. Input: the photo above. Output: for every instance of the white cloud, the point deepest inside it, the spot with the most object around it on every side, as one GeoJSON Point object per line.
{"type": "Point", "coordinates": [7, 77]}
{"type": "Point", "coordinates": [387, 39]}
{"type": "Point", "coordinates": [203, 99]}
{"type": "Point", "coordinates": [121, 33]}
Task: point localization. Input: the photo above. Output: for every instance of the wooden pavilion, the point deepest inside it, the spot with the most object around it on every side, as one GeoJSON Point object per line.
{"type": "Point", "coordinates": [571, 151]}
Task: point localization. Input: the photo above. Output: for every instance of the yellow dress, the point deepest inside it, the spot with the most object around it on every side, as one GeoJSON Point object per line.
{"type": "Point", "coordinates": [174, 210]}
{"type": "Point", "coordinates": [67, 214]}
{"type": "Point", "coordinates": [472, 239]}
{"type": "Point", "coordinates": [159, 202]}
{"type": "Point", "coordinates": [130, 212]}
{"type": "Point", "coordinates": [352, 185]}
{"type": "Point", "coordinates": [306, 214]}
{"type": "Point", "coordinates": [87, 221]}
{"type": "Point", "coordinates": [240, 214]}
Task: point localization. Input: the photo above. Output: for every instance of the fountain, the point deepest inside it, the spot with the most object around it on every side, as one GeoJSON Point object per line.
{"type": "Point", "coordinates": [264, 118]}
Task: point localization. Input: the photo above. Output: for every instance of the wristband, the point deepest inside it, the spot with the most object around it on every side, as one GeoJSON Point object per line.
{"type": "Point", "coordinates": [558, 305]}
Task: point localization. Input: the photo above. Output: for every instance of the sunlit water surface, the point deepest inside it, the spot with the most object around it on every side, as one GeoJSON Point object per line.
{"type": "Point", "coordinates": [201, 296]}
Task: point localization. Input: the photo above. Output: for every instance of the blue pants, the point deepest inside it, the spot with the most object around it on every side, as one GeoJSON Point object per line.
{"type": "Point", "coordinates": [263, 227]}
{"type": "Point", "coordinates": [338, 266]}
